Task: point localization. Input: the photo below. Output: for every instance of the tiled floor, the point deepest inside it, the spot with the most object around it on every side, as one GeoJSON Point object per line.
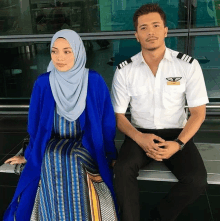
{"type": "Point", "coordinates": [205, 208]}
{"type": "Point", "coordinates": [214, 204]}
{"type": "Point", "coordinates": [201, 210]}
{"type": "Point", "coordinates": [7, 193]}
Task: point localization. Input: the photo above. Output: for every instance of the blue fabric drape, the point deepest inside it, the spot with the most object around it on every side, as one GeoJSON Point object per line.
{"type": "Point", "coordinates": [98, 125]}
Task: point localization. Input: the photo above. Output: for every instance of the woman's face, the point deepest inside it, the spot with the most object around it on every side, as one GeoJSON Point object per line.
{"type": "Point", "coordinates": [62, 55]}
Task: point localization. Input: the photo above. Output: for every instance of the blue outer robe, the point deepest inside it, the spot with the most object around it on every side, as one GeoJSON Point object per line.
{"type": "Point", "coordinates": [97, 123]}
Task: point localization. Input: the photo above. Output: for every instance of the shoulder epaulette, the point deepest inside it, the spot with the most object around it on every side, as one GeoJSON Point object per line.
{"type": "Point", "coordinates": [124, 63]}
{"type": "Point", "coordinates": [185, 57]}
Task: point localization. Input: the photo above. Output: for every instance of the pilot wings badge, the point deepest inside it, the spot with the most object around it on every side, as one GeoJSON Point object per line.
{"type": "Point", "coordinates": [173, 80]}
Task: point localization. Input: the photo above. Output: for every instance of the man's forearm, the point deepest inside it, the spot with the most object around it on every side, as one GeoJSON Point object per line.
{"type": "Point", "coordinates": [192, 126]}
{"type": "Point", "coordinates": [126, 127]}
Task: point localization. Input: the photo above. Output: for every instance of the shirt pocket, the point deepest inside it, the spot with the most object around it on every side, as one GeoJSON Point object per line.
{"type": "Point", "coordinates": [140, 98]}
{"type": "Point", "coordinates": [174, 95]}
{"type": "Point", "coordinates": [179, 89]}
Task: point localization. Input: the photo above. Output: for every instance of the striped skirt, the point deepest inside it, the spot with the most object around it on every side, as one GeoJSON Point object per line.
{"type": "Point", "coordinates": [71, 189]}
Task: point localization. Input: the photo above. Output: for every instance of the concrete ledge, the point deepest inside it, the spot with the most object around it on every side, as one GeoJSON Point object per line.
{"type": "Point", "coordinates": [157, 171]}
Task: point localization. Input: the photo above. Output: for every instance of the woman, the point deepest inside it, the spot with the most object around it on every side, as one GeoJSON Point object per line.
{"type": "Point", "coordinates": [72, 128]}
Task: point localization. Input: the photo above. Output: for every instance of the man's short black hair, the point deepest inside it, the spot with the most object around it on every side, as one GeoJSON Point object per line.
{"type": "Point", "coordinates": [146, 9]}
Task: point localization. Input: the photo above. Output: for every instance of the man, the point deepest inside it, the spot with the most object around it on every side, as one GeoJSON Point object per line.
{"type": "Point", "coordinates": [155, 82]}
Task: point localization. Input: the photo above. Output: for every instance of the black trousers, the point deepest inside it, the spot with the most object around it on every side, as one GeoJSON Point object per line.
{"type": "Point", "coordinates": [187, 165]}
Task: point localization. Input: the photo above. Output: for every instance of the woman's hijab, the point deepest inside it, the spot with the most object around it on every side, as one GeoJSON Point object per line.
{"type": "Point", "coordinates": [69, 88]}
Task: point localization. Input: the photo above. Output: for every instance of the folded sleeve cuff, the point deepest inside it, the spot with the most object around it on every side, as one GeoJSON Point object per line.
{"type": "Point", "coordinates": [198, 102]}
{"type": "Point", "coordinates": [120, 110]}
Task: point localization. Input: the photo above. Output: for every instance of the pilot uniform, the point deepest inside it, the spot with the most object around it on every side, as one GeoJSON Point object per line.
{"type": "Point", "coordinates": [157, 106]}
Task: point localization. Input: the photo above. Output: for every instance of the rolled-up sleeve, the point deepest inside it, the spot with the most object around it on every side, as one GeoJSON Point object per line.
{"type": "Point", "coordinates": [196, 93]}
{"type": "Point", "coordinates": [119, 93]}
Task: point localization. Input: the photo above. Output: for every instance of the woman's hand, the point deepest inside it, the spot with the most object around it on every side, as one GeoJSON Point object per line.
{"type": "Point", "coordinates": [16, 160]}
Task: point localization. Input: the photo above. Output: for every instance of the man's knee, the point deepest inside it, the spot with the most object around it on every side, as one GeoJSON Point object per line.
{"type": "Point", "coordinates": [197, 182]}
{"type": "Point", "coordinates": [125, 168]}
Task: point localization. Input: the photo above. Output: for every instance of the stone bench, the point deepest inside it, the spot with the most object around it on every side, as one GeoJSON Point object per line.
{"type": "Point", "coordinates": [157, 171]}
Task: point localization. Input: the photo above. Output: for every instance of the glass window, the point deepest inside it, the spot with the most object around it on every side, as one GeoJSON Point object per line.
{"type": "Point", "coordinates": [105, 60]}
{"type": "Point", "coordinates": [43, 17]}
{"type": "Point", "coordinates": [123, 11]}
{"type": "Point", "coordinates": [24, 62]}
{"type": "Point", "coordinates": [206, 50]}
{"type": "Point", "coordinates": [20, 66]}
{"type": "Point", "coordinates": [205, 13]}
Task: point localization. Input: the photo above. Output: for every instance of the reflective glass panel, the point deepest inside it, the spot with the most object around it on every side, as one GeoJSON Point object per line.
{"type": "Point", "coordinates": [206, 50]}
{"type": "Point", "coordinates": [20, 66]}
{"type": "Point", "coordinates": [22, 63]}
{"type": "Point", "coordinates": [123, 11]}
{"type": "Point", "coordinates": [205, 13]}
{"type": "Point", "coordinates": [49, 16]}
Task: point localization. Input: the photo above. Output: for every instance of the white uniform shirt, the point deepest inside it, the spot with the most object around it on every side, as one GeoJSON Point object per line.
{"type": "Point", "coordinates": [155, 103]}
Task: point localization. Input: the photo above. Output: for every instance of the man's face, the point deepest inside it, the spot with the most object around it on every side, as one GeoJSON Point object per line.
{"type": "Point", "coordinates": [151, 31]}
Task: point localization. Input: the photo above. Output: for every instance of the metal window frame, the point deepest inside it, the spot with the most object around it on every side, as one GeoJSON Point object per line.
{"type": "Point", "coordinates": [85, 36]}
{"type": "Point", "coordinates": [216, 106]}
{"type": "Point", "coordinates": [25, 112]}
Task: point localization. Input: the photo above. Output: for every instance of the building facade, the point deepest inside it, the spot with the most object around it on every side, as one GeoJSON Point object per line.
{"type": "Point", "coordinates": [106, 26]}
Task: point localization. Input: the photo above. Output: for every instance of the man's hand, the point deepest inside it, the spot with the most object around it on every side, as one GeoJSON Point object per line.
{"type": "Point", "coordinates": [16, 160]}
{"type": "Point", "coordinates": [146, 142]}
{"type": "Point", "coordinates": [170, 148]}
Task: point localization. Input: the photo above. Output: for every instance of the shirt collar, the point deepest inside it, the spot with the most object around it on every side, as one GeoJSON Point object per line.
{"type": "Point", "coordinates": [167, 56]}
